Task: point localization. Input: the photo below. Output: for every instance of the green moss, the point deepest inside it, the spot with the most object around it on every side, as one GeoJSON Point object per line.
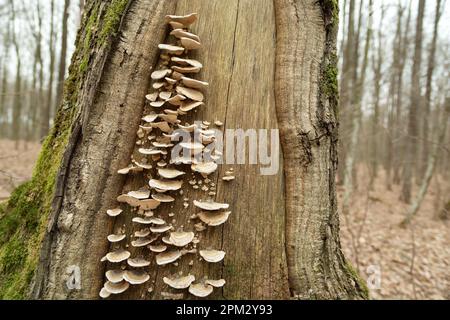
{"type": "Point", "coordinates": [23, 218]}
{"type": "Point", "coordinates": [330, 9]}
{"type": "Point", "coordinates": [360, 283]}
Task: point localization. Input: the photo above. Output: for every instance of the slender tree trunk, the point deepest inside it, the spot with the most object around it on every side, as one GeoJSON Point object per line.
{"type": "Point", "coordinates": [415, 98]}
{"type": "Point", "coordinates": [431, 165]}
{"type": "Point", "coordinates": [63, 54]}
{"type": "Point", "coordinates": [282, 239]}
{"type": "Point", "coordinates": [358, 94]}
{"type": "Point", "coordinates": [46, 110]}
{"type": "Point", "coordinates": [428, 92]}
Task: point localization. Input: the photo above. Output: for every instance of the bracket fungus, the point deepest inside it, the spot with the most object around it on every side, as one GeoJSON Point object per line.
{"type": "Point", "coordinates": [212, 256]}
{"type": "Point", "coordinates": [176, 92]}
{"type": "Point", "coordinates": [179, 282]}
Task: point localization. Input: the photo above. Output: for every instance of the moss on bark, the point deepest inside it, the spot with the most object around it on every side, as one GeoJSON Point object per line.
{"type": "Point", "coordinates": [23, 218]}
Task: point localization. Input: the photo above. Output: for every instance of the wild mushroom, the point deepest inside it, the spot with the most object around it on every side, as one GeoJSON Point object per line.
{"type": "Point", "coordinates": [214, 219]}
{"type": "Point", "coordinates": [104, 293]}
{"type": "Point", "coordinates": [160, 229]}
{"type": "Point", "coordinates": [163, 126]}
{"type": "Point", "coordinates": [193, 83]}
{"type": "Point", "coordinates": [176, 100]}
{"type": "Point", "coordinates": [179, 282]}
{"type": "Point", "coordinates": [180, 238]}
{"type": "Point", "coordinates": [142, 233]}
{"type": "Point", "coordinates": [215, 283]}
{"type": "Point", "coordinates": [157, 104]}
{"type": "Point", "coordinates": [114, 212]}
{"type": "Point", "coordinates": [191, 62]}
{"type": "Point", "coordinates": [139, 194]}
{"type": "Point", "coordinates": [185, 70]}
{"type": "Point", "coordinates": [210, 205]}
{"type": "Point", "coordinates": [228, 178]}
{"type": "Point", "coordinates": [148, 220]}
{"type": "Point", "coordinates": [131, 201]}
{"type": "Point", "coordinates": [138, 263]}
{"type": "Point", "coordinates": [151, 151]}
{"type": "Point", "coordinates": [185, 107]}
{"type": "Point", "coordinates": [188, 127]}
{"type": "Point", "coordinates": [190, 44]}
{"type": "Point", "coordinates": [152, 96]}
{"type": "Point", "coordinates": [180, 33]}
{"type": "Point", "coordinates": [149, 204]}
{"type": "Point", "coordinates": [185, 20]}
{"type": "Point", "coordinates": [168, 257]}
{"type": "Point", "coordinates": [165, 95]}
{"type": "Point", "coordinates": [171, 49]}
{"type": "Point", "coordinates": [118, 256]}
{"type": "Point", "coordinates": [126, 170]}
{"type": "Point", "coordinates": [162, 197]}
{"type": "Point", "coordinates": [136, 276]}
{"type": "Point", "coordinates": [157, 248]}
{"type": "Point", "coordinates": [116, 288]}
{"type": "Point", "coordinates": [150, 118]}
{"type": "Point", "coordinates": [114, 276]}
{"type": "Point", "coordinates": [166, 185]}
{"type": "Point", "coordinates": [204, 167]}
{"type": "Point", "coordinates": [116, 237]}
{"type": "Point", "coordinates": [142, 242]}
{"type": "Point", "coordinates": [212, 256]}
{"type": "Point", "coordinates": [160, 74]}
{"type": "Point", "coordinates": [190, 93]}
{"type": "Point", "coordinates": [170, 173]}
{"type": "Point", "coordinates": [200, 290]}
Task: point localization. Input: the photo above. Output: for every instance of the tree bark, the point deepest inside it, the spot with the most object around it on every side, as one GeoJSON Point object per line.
{"type": "Point", "coordinates": [282, 238]}
{"type": "Point", "coordinates": [63, 54]}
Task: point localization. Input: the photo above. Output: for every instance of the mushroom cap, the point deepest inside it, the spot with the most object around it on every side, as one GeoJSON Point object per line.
{"type": "Point", "coordinates": [116, 237]}
{"type": "Point", "coordinates": [185, 20]}
{"type": "Point", "coordinates": [228, 178]}
{"type": "Point", "coordinates": [185, 70]}
{"type": "Point", "coordinates": [142, 242]}
{"type": "Point", "coordinates": [138, 262]}
{"type": "Point", "coordinates": [193, 83]}
{"type": "Point", "coordinates": [158, 144]}
{"type": "Point", "coordinates": [190, 44]}
{"type": "Point", "coordinates": [171, 49]}
{"type": "Point", "coordinates": [104, 293]}
{"type": "Point", "coordinates": [190, 62]}
{"type": "Point", "coordinates": [150, 117]}
{"type": "Point", "coordinates": [212, 255]}
{"type": "Point", "coordinates": [165, 95]}
{"type": "Point", "coordinates": [151, 151]}
{"type": "Point", "coordinates": [170, 173]}
{"type": "Point", "coordinates": [163, 126]}
{"type": "Point", "coordinates": [168, 257]}
{"type": "Point", "coordinates": [148, 220]}
{"type": "Point", "coordinates": [210, 205]}
{"type": "Point", "coordinates": [190, 93]}
{"type": "Point", "coordinates": [118, 256]}
{"type": "Point", "coordinates": [180, 33]}
{"type": "Point", "coordinates": [142, 233]}
{"type": "Point", "coordinates": [185, 107]}
{"type": "Point", "coordinates": [152, 96]}
{"type": "Point", "coordinates": [114, 212]}
{"type": "Point", "coordinates": [181, 238]}
{"type": "Point", "coordinates": [160, 229]}
{"type": "Point", "coordinates": [143, 165]}
{"type": "Point", "coordinates": [200, 290]}
{"type": "Point", "coordinates": [188, 127]}
{"type": "Point", "coordinates": [160, 74]}
{"type": "Point", "coordinates": [166, 185]}
{"type": "Point", "coordinates": [136, 276]}
{"type": "Point", "coordinates": [126, 170]}
{"type": "Point", "coordinates": [214, 218]}
{"type": "Point", "coordinates": [176, 100]}
{"type": "Point", "coordinates": [163, 197]}
{"type": "Point", "coordinates": [149, 204]}
{"type": "Point", "coordinates": [204, 167]}
{"type": "Point", "coordinates": [157, 248]}
{"type": "Point", "coordinates": [131, 201]}
{"type": "Point", "coordinates": [114, 276]}
{"type": "Point", "coordinates": [178, 282]}
{"type": "Point", "coordinates": [215, 283]}
{"type": "Point", "coordinates": [157, 104]}
{"type": "Point", "coordinates": [116, 288]}
{"type": "Point", "coordinates": [140, 194]}
{"type": "Point", "coordinates": [158, 85]}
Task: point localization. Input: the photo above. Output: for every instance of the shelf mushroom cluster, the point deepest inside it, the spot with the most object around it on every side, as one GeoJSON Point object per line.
{"type": "Point", "coordinates": [175, 93]}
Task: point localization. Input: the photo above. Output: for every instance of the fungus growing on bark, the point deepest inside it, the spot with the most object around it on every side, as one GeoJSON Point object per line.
{"type": "Point", "coordinates": [116, 288]}
{"type": "Point", "coordinates": [204, 167]}
{"type": "Point", "coordinates": [170, 173]}
{"type": "Point", "coordinates": [185, 20]}
{"type": "Point", "coordinates": [214, 218]}
{"type": "Point", "coordinates": [168, 257]}
{"type": "Point", "coordinates": [212, 256]}
{"type": "Point", "coordinates": [118, 256]}
{"type": "Point", "coordinates": [179, 282]}
{"type": "Point", "coordinates": [210, 205]}
{"type": "Point", "coordinates": [114, 212]}
{"type": "Point", "coordinates": [200, 290]}
{"type": "Point", "coordinates": [180, 238]}
{"type": "Point", "coordinates": [114, 276]}
{"type": "Point", "coordinates": [180, 33]}
{"type": "Point", "coordinates": [215, 283]}
{"type": "Point", "coordinates": [136, 276]}
{"type": "Point", "coordinates": [138, 262]}
{"type": "Point", "coordinates": [166, 185]}
{"type": "Point", "coordinates": [116, 237]}
{"type": "Point", "coordinates": [157, 248]}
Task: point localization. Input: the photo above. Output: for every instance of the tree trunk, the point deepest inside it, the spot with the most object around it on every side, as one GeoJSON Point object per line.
{"type": "Point", "coordinates": [415, 98]}
{"type": "Point", "coordinates": [282, 238]}
{"type": "Point", "coordinates": [46, 112]}
{"type": "Point", "coordinates": [428, 91]}
{"type": "Point", "coordinates": [63, 54]}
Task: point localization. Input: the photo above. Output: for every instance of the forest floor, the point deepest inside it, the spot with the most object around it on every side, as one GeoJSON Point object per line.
{"type": "Point", "coordinates": [399, 263]}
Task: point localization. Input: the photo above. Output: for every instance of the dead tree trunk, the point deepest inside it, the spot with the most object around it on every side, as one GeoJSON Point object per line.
{"type": "Point", "coordinates": [282, 238]}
